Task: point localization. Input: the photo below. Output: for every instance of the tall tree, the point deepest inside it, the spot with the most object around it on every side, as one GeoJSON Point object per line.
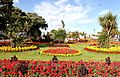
{"type": "Point", "coordinates": [5, 13]}
{"type": "Point", "coordinates": [36, 23]}
{"type": "Point", "coordinates": [17, 26]}
{"type": "Point", "coordinates": [10, 19]}
{"type": "Point", "coordinates": [13, 21]}
{"type": "Point", "coordinates": [109, 27]}
{"type": "Point", "coordinates": [102, 40]}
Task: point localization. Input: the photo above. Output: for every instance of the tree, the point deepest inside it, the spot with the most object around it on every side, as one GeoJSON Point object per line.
{"type": "Point", "coordinates": [109, 27]}
{"type": "Point", "coordinates": [59, 34]}
{"type": "Point", "coordinates": [17, 26]}
{"type": "Point", "coordinates": [11, 18]}
{"type": "Point", "coordinates": [102, 40]}
{"type": "Point", "coordinates": [5, 13]}
{"type": "Point", "coordinates": [69, 35]}
{"type": "Point", "coordinates": [36, 23]}
{"type": "Point", "coordinates": [73, 35]}
{"type": "Point", "coordinates": [47, 37]}
{"type": "Point", "coordinates": [15, 22]}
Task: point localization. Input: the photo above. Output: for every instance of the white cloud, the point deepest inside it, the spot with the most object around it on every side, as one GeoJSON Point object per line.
{"type": "Point", "coordinates": [16, 1]}
{"type": "Point", "coordinates": [71, 14]}
{"type": "Point", "coordinates": [103, 12]}
{"type": "Point", "coordinates": [60, 2]}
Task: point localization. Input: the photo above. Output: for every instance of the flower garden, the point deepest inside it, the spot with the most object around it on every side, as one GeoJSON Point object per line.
{"type": "Point", "coordinates": [17, 49]}
{"type": "Point", "coordinates": [61, 52]}
{"type": "Point", "coordinates": [112, 50]}
{"type": "Point", "coordinates": [66, 66]}
{"type": "Point", "coordinates": [25, 68]}
{"type": "Point", "coordinates": [57, 53]}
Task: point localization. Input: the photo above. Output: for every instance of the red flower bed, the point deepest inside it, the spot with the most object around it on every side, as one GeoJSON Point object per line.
{"type": "Point", "coordinates": [60, 45]}
{"type": "Point", "coordinates": [93, 45]}
{"type": "Point", "coordinates": [3, 42]}
{"type": "Point", "coordinates": [115, 42]}
{"type": "Point", "coordinates": [61, 68]}
{"type": "Point", "coordinates": [61, 52]}
{"type": "Point", "coordinates": [36, 43]}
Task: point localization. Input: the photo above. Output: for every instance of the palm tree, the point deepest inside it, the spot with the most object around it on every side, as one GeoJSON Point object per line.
{"type": "Point", "coordinates": [109, 26]}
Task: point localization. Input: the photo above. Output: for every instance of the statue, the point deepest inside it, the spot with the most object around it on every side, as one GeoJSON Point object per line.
{"type": "Point", "coordinates": [82, 71]}
{"type": "Point", "coordinates": [108, 61]}
{"type": "Point", "coordinates": [54, 59]}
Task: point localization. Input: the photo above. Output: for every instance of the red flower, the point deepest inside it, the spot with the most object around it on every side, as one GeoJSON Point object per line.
{"type": "Point", "coordinates": [118, 73]}
{"type": "Point", "coordinates": [61, 51]}
{"type": "Point", "coordinates": [0, 69]}
{"type": "Point", "coordinates": [20, 73]}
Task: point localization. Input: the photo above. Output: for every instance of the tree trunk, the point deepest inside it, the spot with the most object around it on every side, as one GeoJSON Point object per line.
{"type": "Point", "coordinates": [108, 41]}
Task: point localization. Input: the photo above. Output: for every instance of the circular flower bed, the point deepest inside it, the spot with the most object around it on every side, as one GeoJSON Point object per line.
{"type": "Point", "coordinates": [61, 52]}
{"type": "Point", "coordinates": [10, 49]}
{"type": "Point", "coordinates": [112, 50]}
{"type": "Point", "coordinates": [60, 45]}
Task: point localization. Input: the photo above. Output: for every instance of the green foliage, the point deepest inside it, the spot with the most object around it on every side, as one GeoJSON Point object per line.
{"type": "Point", "coordinates": [76, 34]}
{"type": "Point", "coordinates": [47, 38]}
{"type": "Point", "coordinates": [5, 13]}
{"type": "Point", "coordinates": [59, 34]}
{"type": "Point", "coordinates": [102, 40]}
{"type": "Point", "coordinates": [108, 23]}
{"type": "Point", "coordinates": [73, 34]}
{"type": "Point", "coordinates": [15, 21]}
{"type": "Point", "coordinates": [36, 22]}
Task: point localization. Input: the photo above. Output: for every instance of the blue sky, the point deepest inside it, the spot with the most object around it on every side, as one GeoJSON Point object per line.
{"type": "Point", "coordinates": [78, 15]}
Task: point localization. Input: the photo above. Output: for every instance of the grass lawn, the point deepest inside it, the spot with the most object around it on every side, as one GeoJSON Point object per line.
{"type": "Point", "coordinates": [34, 55]}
